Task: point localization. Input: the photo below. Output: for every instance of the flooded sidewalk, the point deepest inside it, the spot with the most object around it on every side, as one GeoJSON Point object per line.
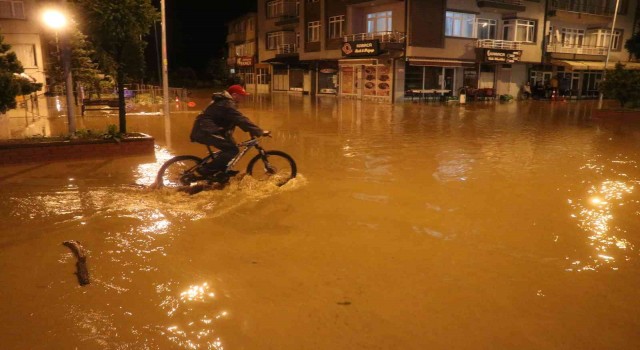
{"type": "Point", "coordinates": [412, 226]}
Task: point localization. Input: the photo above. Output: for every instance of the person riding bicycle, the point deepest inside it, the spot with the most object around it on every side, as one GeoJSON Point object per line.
{"type": "Point", "coordinates": [215, 126]}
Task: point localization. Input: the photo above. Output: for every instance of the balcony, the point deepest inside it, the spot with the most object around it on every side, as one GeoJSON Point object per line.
{"type": "Point", "coordinates": [498, 44]}
{"type": "Point", "coordinates": [501, 5]}
{"type": "Point", "coordinates": [236, 38]}
{"type": "Point", "coordinates": [576, 50]}
{"type": "Point", "coordinates": [592, 7]}
{"type": "Point", "coordinates": [287, 49]}
{"type": "Point", "coordinates": [283, 11]}
{"type": "Point", "coordinates": [582, 11]}
{"type": "Point", "coordinates": [384, 37]}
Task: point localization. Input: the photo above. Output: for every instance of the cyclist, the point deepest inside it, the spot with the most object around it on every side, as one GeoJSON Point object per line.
{"type": "Point", "coordinates": [215, 126]}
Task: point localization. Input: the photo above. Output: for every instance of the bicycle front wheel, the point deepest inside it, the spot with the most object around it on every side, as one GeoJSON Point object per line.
{"type": "Point", "coordinates": [178, 171]}
{"type": "Point", "coordinates": [274, 166]}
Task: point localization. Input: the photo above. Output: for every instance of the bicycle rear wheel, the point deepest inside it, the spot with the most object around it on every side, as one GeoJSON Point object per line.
{"type": "Point", "coordinates": [178, 171]}
{"type": "Point", "coordinates": [274, 166]}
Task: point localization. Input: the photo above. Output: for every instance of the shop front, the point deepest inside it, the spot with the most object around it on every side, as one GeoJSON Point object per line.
{"type": "Point", "coordinates": [366, 73]}
{"type": "Point", "coordinates": [327, 80]}
{"type": "Point", "coordinates": [244, 68]}
{"type": "Point", "coordinates": [438, 78]}
{"type": "Point", "coordinates": [501, 71]}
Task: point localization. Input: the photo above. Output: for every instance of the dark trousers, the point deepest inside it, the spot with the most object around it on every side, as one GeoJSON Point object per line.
{"type": "Point", "coordinates": [228, 150]}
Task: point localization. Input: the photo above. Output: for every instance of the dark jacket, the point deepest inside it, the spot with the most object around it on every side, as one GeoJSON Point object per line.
{"type": "Point", "coordinates": [220, 118]}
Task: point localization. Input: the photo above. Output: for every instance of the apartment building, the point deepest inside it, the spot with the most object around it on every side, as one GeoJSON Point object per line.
{"type": "Point", "coordinates": [242, 58]}
{"type": "Point", "coordinates": [385, 50]}
{"type": "Point", "coordinates": [20, 26]}
{"type": "Point", "coordinates": [577, 37]}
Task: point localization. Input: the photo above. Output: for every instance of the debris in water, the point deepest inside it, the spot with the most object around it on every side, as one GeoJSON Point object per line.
{"type": "Point", "coordinates": [81, 265]}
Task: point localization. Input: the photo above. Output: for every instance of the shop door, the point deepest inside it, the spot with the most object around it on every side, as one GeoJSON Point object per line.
{"type": "Point", "coordinates": [503, 82]}
{"type": "Point", "coordinates": [280, 79]}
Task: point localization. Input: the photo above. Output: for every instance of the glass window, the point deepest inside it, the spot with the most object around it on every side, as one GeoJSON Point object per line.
{"type": "Point", "coordinates": [486, 28]}
{"type": "Point", "coordinates": [11, 9]}
{"type": "Point", "coordinates": [336, 27]}
{"type": "Point", "coordinates": [379, 22]}
{"type": "Point", "coordinates": [26, 54]}
{"type": "Point", "coordinates": [282, 8]}
{"type": "Point", "coordinates": [313, 31]}
{"type": "Point", "coordinates": [519, 30]}
{"type": "Point", "coordinates": [276, 39]}
{"type": "Point", "coordinates": [459, 24]}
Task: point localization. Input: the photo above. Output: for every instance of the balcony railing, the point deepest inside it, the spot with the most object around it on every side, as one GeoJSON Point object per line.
{"type": "Point", "coordinates": [575, 49]}
{"type": "Point", "coordinates": [499, 44]}
{"type": "Point", "coordinates": [284, 49]}
{"type": "Point", "coordinates": [507, 2]}
{"type": "Point", "coordinates": [515, 5]}
{"type": "Point", "coordinates": [283, 8]}
{"type": "Point", "coordinates": [384, 37]}
{"type": "Point", "coordinates": [593, 7]}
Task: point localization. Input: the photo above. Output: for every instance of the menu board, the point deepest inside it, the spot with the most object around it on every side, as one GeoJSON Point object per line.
{"type": "Point", "coordinates": [377, 81]}
{"type": "Point", "coordinates": [369, 81]}
{"type": "Point", "coordinates": [383, 82]}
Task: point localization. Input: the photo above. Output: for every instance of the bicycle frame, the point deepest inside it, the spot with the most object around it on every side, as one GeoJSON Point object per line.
{"type": "Point", "coordinates": [244, 147]}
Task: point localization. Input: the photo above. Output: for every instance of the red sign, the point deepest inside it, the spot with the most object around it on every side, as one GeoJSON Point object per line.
{"type": "Point", "coordinates": [244, 61]}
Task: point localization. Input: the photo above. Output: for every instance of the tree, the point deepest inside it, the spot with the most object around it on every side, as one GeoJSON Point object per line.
{"type": "Point", "coordinates": [622, 85]}
{"type": "Point", "coordinates": [633, 45]}
{"type": "Point", "coordinates": [83, 68]}
{"type": "Point", "coordinates": [117, 28]}
{"type": "Point", "coordinates": [11, 83]}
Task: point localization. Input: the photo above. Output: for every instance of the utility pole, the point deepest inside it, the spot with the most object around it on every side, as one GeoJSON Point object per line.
{"type": "Point", "coordinates": [606, 62]}
{"type": "Point", "coordinates": [165, 61]}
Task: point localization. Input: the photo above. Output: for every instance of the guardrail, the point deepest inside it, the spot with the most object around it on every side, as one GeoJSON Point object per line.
{"type": "Point", "coordinates": [593, 7]}
{"type": "Point", "coordinates": [286, 49]}
{"type": "Point", "coordinates": [499, 44]}
{"type": "Point", "coordinates": [573, 49]}
{"type": "Point", "coordinates": [384, 37]}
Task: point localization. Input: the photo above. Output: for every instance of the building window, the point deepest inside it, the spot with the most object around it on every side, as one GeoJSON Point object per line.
{"type": "Point", "coordinates": [26, 54]}
{"type": "Point", "coordinates": [459, 24]}
{"type": "Point", "coordinates": [246, 49]}
{"type": "Point", "coordinates": [276, 39]}
{"type": "Point", "coordinates": [283, 8]}
{"type": "Point", "coordinates": [379, 22]}
{"type": "Point", "coordinates": [250, 24]}
{"type": "Point", "coordinates": [11, 9]}
{"type": "Point", "coordinates": [313, 31]}
{"type": "Point", "coordinates": [486, 28]}
{"type": "Point", "coordinates": [602, 37]}
{"type": "Point", "coordinates": [336, 27]}
{"type": "Point", "coordinates": [522, 30]}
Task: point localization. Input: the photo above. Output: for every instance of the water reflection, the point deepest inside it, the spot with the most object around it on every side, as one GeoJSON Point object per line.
{"type": "Point", "coordinates": [193, 315]}
{"type": "Point", "coordinates": [596, 216]}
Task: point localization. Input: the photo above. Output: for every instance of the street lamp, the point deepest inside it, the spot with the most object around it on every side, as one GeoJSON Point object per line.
{"type": "Point", "coordinates": [56, 20]}
{"type": "Point", "coordinates": [606, 61]}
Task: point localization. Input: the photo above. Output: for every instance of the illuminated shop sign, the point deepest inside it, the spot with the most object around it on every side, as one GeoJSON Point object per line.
{"type": "Point", "coordinates": [501, 56]}
{"type": "Point", "coordinates": [361, 48]}
{"type": "Point", "coordinates": [244, 61]}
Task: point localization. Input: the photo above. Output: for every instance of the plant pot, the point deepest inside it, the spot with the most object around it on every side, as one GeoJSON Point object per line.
{"type": "Point", "coordinates": [17, 151]}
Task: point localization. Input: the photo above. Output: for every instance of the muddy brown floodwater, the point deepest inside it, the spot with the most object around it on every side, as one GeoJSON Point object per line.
{"type": "Point", "coordinates": [486, 226]}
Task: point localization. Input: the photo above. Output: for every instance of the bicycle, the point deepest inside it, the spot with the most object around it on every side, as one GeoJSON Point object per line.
{"type": "Point", "coordinates": [182, 170]}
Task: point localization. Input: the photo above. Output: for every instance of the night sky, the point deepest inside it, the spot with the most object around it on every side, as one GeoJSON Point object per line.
{"type": "Point", "coordinates": [196, 30]}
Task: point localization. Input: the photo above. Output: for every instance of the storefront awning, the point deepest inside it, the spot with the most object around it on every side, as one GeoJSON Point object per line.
{"type": "Point", "coordinates": [440, 62]}
{"type": "Point", "coordinates": [283, 60]}
{"type": "Point", "coordinates": [593, 65]}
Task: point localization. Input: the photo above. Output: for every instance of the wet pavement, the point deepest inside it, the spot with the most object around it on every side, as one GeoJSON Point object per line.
{"type": "Point", "coordinates": [485, 226]}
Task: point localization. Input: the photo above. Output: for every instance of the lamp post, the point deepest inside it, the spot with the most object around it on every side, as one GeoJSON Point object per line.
{"type": "Point", "coordinates": [606, 61]}
{"type": "Point", "coordinates": [56, 20]}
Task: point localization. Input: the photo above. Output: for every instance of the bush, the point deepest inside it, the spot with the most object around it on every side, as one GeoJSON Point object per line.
{"type": "Point", "coordinates": [622, 85]}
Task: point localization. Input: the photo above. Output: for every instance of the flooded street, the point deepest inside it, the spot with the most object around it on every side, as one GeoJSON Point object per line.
{"type": "Point", "coordinates": [415, 226]}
